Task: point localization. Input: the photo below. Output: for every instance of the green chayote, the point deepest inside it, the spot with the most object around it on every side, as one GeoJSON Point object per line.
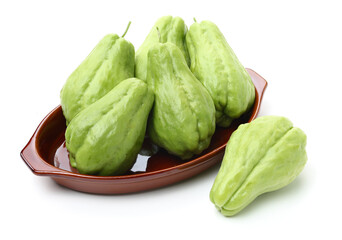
{"type": "Point", "coordinates": [105, 138]}
{"type": "Point", "coordinates": [110, 62]}
{"type": "Point", "coordinates": [214, 63]}
{"type": "Point", "coordinates": [171, 29]}
{"type": "Point", "coordinates": [262, 156]}
{"type": "Point", "coordinates": [183, 117]}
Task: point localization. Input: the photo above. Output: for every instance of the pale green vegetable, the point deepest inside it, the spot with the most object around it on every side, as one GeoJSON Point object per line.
{"type": "Point", "coordinates": [183, 117]}
{"type": "Point", "coordinates": [166, 29]}
{"type": "Point", "coordinates": [215, 64]}
{"type": "Point", "coordinates": [110, 62]}
{"type": "Point", "coordinates": [105, 138]}
{"type": "Point", "coordinates": [262, 156]}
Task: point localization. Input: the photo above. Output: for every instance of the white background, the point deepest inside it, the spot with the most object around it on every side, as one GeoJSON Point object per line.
{"type": "Point", "coordinates": [295, 45]}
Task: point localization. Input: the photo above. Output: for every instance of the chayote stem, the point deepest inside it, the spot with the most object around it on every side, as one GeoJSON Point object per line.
{"type": "Point", "coordinates": [159, 35]}
{"type": "Point", "coordinates": [195, 20]}
{"type": "Point", "coordinates": [129, 24]}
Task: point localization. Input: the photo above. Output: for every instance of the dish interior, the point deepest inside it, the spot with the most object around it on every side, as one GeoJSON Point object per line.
{"type": "Point", "coordinates": [51, 147]}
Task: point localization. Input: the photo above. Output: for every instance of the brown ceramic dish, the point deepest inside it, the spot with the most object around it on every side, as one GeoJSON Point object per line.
{"type": "Point", "coordinates": [46, 155]}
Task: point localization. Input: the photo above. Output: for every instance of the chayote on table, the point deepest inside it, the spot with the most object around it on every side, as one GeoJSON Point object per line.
{"type": "Point", "coordinates": [262, 156]}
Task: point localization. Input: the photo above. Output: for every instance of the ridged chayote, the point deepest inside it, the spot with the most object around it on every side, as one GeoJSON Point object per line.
{"type": "Point", "coordinates": [214, 63]}
{"type": "Point", "coordinates": [105, 138]}
{"type": "Point", "coordinates": [110, 62]}
{"type": "Point", "coordinates": [183, 117]}
{"type": "Point", "coordinates": [171, 29]}
{"type": "Point", "coordinates": [261, 156]}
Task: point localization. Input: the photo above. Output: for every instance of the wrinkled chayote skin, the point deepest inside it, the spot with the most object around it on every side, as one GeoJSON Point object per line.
{"type": "Point", "coordinates": [214, 63]}
{"type": "Point", "coordinates": [110, 62]}
{"type": "Point", "coordinates": [105, 138]}
{"type": "Point", "coordinates": [262, 156]}
{"type": "Point", "coordinates": [183, 117]}
{"type": "Point", "coordinates": [171, 29]}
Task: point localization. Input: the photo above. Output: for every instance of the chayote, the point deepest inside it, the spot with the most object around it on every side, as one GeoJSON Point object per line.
{"type": "Point", "coordinates": [171, 29]}
{"type": "Point", "coordinates": [110, 62]}
{"type": "Point", "coordinates": [262, 156]}
{"type": "Point", "coordinates": [214, 63]}
{"type": "Point", "coordinates": [105, 138]}
{"type": "Point", "coordinates": [182, 120]}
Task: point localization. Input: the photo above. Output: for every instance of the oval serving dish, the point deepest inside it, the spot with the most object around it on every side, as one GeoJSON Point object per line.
{"type": "Point", "coordinates": [46, 155]}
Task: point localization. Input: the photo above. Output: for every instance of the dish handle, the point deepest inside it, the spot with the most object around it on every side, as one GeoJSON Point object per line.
{"type": "Point", "coordinates": [35, 162]}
